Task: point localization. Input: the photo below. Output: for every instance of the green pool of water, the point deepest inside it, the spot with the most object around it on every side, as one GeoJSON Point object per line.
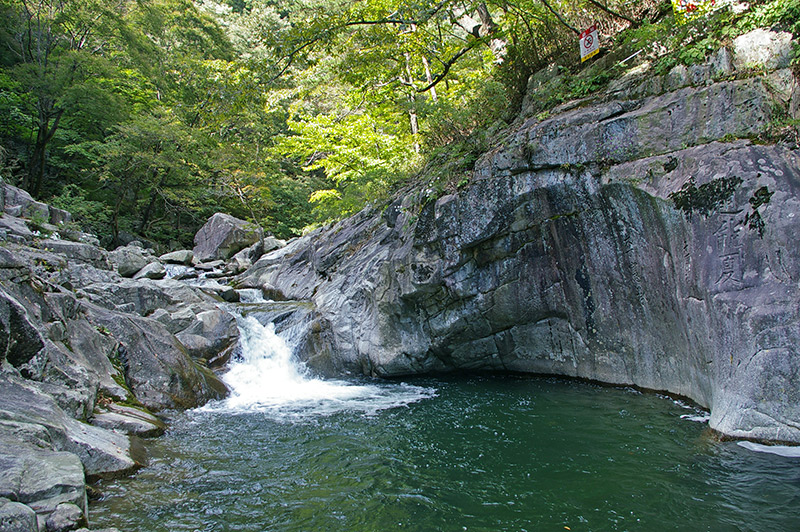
{"type": "Point", "coordinates": [490, 454]}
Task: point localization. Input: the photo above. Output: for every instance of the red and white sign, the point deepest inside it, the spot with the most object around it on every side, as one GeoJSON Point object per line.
{"type": "Point", "coordinates": [590, 43]}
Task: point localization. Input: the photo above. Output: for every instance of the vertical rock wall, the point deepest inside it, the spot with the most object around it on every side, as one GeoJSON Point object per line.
{"type": "Point", "coordinates": [630, 239]}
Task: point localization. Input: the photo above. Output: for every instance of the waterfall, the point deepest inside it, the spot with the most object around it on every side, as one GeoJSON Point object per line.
{"type": "Point", "coordinates": [268, 378]}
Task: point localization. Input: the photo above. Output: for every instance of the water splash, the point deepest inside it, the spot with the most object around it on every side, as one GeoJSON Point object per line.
{"type": "Point", "coordinates": [269, 379]}
{"type": "Point", "coordinates": [780, 450]}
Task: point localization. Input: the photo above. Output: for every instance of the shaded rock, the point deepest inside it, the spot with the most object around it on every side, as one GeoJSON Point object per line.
{"type": "Point", "coordinates": [222, 236]}
{"type": "Point", "coordinates": [16, 517]}
{"type": "Point", "coordinates": [128, 260]}
{"type": "Point", "coordinates": [64, 518]}
{"type": "Point", "coordinates": [59, 217]}
{"type": "Point", "coordinates": [212, 333]}
{"type": "Point", "coordinates": [185, 257]}
{"type": "Point", "coordinates": [20, 340]}
{"type": "Point", "coordinates": [130, 420]}
{"type": "Point", "coordinates": [154, 270]}
{"type": "Point", "coordinates": [157, 368]}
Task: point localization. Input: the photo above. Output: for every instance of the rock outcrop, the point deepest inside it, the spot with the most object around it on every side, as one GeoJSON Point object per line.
{"type": "Point", "coordinates": [86, 356]}
{"type": "Point", "coordinates": [637, 238]}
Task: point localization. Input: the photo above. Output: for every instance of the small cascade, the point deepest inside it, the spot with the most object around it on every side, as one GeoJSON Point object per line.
{"type": "Point", "coordinates": [267, 377]}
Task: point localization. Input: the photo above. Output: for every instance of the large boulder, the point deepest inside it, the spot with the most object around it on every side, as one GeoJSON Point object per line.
{"type": "Point", "coordinates": [222, 236]}
{"type": "Point", "coordinates": [213, 334]}
{"type": "Point", "coordinates": [141, 296]}
{"type": "Point", "coordinates": [183, 256]}
{"type": "Point", "coordinates": [154, 270]}
{"type": "Point", "coordinates": [245, 259]}
{"type": "Point", "coordinates": [19, 203]}
{"type": "Point", "coordinates": [157, 368]}
{"type": "Point", "coordinates": [103, 453]}
{"type": "Point", "coordinates": [762, 49]}
{"type": "Point", "coordinates": [128, 260]}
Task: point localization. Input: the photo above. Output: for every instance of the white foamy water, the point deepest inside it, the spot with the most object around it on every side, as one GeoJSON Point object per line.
{"type": "Point", "coordinates": [781, 450]}
{"type": "Point", "coordinates": [269, 379]}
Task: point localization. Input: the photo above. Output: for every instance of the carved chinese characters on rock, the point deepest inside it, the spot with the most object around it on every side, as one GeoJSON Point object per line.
{"type": "Point", "coordinates": [729, 249]}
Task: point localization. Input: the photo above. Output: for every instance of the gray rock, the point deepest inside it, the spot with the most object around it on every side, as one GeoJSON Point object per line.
{"type": "Point", "coordinates": [16, 517]}
{"type": "Point", "coordinates": [244, 259]}
{"type": "Point", "coordinates": [213, 332]}
{"type": "Point", "coordinates": [185, 257]}
{"type": "Point", "coordinates": [29, 208]}
{"type": "Point", "coordinates": [64, 518]}
{"type": "Point", "coordinates": [128, 260]}
{"type": "Point", "coordinates": [588, 245]}
{"type": "Point", "coordinates": [40, 478]}
{"type": "Point", "coordinates": [762, 49]}
{"type": "Point", "coordinates": [215, 289]}
{"type": "Point", "coordinates": [20, 340]}
{"type": "Point", "coordinates": [210, 266]}
{"type": "Point", "coordinates": [9, 260]}
{"type": "Point", "coordinates": [144, 296]}
{"type": "Point", "coordinates": [15, 227]}
{"type": "Point", "coordinates": [129, 420]}
{"type": "Point", "coordinates": [176, 321]}
{"type": "Point", "coordinates": [158, 370]}
{"type": "Point", "coordinates": [222, 236]}
{"type": "Point", "coordinates": [103, 453]}
{"type": "Point", "coordinates": [154, 270]}
{"type": "Point", "coordinates": [59, 217]}
{"type": "Point", "coordinates": [78, 252]}
{"type": "Point", "coordinates": [721, 64]}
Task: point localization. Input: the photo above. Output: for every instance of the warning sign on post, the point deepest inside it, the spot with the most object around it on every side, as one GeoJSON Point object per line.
{"type": "Point", "coordinates": [590, 43]}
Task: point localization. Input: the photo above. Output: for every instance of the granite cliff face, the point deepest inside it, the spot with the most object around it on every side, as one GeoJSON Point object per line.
{"type": "Point", "coordinates": [635, 238]}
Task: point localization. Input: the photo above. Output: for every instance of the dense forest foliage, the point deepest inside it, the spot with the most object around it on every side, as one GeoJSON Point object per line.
{"type": "Point", "coordinates": [143, 117]}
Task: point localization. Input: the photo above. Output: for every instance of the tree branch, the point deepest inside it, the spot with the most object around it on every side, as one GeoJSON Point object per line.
{"type": "Point", "coordinates": [448, 65]}
{"type": "Point", "coordinates": [610, 12]}
{"type": "Point", "coordinates": [560, 18]}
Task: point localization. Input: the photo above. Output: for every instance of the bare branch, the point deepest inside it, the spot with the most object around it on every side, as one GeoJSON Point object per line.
{"type": "Point", "coordinates": [610, 11]}
{"type": "Point", "coordinates": [560, 18]}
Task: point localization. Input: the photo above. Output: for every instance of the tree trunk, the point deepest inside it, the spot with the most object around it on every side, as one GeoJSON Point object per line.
{"type": "Point", "coordinates": [412, 112]}
{"type": "Point", "coordinates": [44, 134]}
{"type": "Point", "coordinates": [151, 204]}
